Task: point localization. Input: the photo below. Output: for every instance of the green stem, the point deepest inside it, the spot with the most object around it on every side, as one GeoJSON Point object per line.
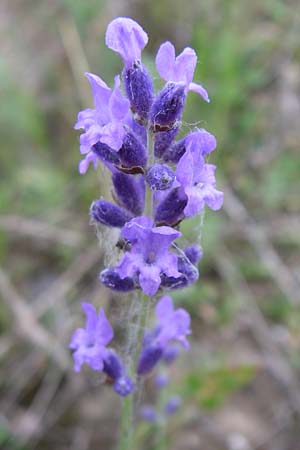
{"type": "Point", "coordinates": [128, 403]}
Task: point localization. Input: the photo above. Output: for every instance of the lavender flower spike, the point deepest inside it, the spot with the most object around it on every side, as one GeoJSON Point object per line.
{"type": "Point", "coordinates": [179, 69]}
{"type": "Point", "coordinates": [198, 181]}
{"type": "Point", "coordinates": [126, 37]}
{"type": "Point", "coordinates": [104, 123]}
{"type": "Point", "coordinates": [149, 256]}
{"type": "Point", "coordinates": [89, 343]}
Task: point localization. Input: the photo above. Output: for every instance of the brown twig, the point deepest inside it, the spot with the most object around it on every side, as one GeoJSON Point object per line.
{"type": "Point", "coordinates": [27, 326]}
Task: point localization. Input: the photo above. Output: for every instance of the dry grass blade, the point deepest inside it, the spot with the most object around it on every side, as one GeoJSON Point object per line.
{"type": "Point", "coordinates": [40, 231]}
{"type": "Point", "coordinates": [27, 326]}
{"type": "Point", "coordinates": [257, 236]}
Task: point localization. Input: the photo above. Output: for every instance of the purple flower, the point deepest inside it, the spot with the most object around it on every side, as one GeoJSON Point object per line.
{"type": "Point", "coordinates": [148, 413]}
{"type": "Point", "coordinates": [89, 343]}
{"type": "Point", "coordinates": [179, 69]}
{"type": "Point", "coordinates": [172, 405]}
{"type": "Point", "coordinates": [198, 182]}
{"type": "Point", "coordinates": [104, 123]}
{"type": "Point", "coordinates": [126, 37]}
{"type": "Point", "coordinates": [149, 256]}
{"type": "Point", "coordinates": [202, 139]}
{"type": "Point", "coordinates": [172, 325]}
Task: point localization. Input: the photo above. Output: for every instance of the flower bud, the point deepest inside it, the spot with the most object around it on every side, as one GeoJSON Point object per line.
{"type": "Point", "coordinates": [148, 413]}
{"type": "Point", "coordinates": [132, 153]}
{"type": "Point", "coordinates": [148, 359]}
{"type": "Point", "coordinates": [170, 210]}
{"type": "Point", "coordinates": [123, 386]}
{"type": "Point", "coordinates": [105, 153]}
{"type": "Point", "coordinates": [139, 90]}
{"type": "Point", "coordinates": [201, 140]}
{"type": "Point", "coordinates": [194, 253]}
{"type": "Point", "coordinates": [112, 280]}
{"type": "Point", "coordinates": [161, 380]}
{"type": "Point", "coordinates": [168, 106]}
{"type": "Point", "coordinates": [163, 141]}
{"type": "Point", "coordinates": [170, 354]}
{"type": "Point", "coordinates": [188, 269]}
{"type": "Point", "coordinates": [189, 275]}
{"type": "Point", "coordinates": [109, 214]}
{"type": "Point", "coordinates": [172, 405]}
{"type": "Point", "coordinates": [113, 366]}
{"type": "Point", "coordinates": [160, 177]}
{"type": "Point", "coordinates": [130, 192]}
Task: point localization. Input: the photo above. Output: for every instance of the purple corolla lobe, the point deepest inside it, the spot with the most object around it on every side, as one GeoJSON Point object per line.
{"type": "Point", "coordinates": [179, 69]}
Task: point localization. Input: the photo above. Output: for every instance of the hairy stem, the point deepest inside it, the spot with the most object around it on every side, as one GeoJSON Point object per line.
{"type": "Point", "coordinates": [136, 336]}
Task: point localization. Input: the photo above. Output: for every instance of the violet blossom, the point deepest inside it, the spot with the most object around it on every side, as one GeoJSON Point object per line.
{"type": "Point", "coordinates": [171, 325]}
{"type": "Point", "coordinates": [179, 69]}
{"type": "Point", "coordinates": [149, 256]}
{"type": "Point", "coordinates": [104, 123]}
{"type": "Point", "coordinates": [198, 181]}
{"type": "Point", "coordinates": [89, 343]}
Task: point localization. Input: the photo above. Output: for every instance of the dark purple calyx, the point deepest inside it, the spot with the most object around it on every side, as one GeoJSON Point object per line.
{"type": "Point", "coordinates": [160, 177]}
{"type": "Point", "coordinates": [189, 274]}
{"type": "Point", "coordinates": [170, 210]}
{"type": "Point", "coordinates": [148, 359]}
{"type": "Point", "coordinates": [124, 386]}
{"type": "Point", "coordinates": [168, 106]}
{"type": "Point", "coordinates": [108, 214]}
{"type": "Point", "coordinates": [129, 192]}
{"type": "Point", "coordinates": [112, 280]}
{"type": "Point", "coordinates": [106, 154]}
{"type": "Point", "coordinates": [163, 140]}
{"type": "Point", "coordinates": [132, 154]}
{"type": "Point", "coordinates": [139, 90]}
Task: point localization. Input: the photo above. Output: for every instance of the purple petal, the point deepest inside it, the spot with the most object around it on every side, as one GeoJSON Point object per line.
{"type": "Point", "coordinates": [164, 308]}
{"type": "Point", "coordinates": [202, 141]}
{"type": "Point", "coordinates": [90, 138]}
{"type": "Point", "coordinates": [126, 37]}
{"type": "Point", "coordinates": [169, 265]}
{"type": "Point", "coordinates": [149, 279]}
{"type": "Point", "coordinates": [101, 94]}
{"type": "Point", "coordinates": [180, 69]}
{"type": "Point", "coordinates": [128, 265]}
{"type": "Point", "coordinates": [165, 61]}
{"type": "Point", "coordinates": [105, 332]}
{"type": "Point", "coordinates": [85, 119]}
{"type": "Point", "coordinates": [185, 65]}
{"type": "Point", "coordinates": [77, 338]}
{"type": "Point", "coordinates": [195, 87]}
{"type": "Point", "coordinates": [137, 228]}
{"type": "Point", "coordinates": [213, 197]}
{"type": "Point", "coordinates": [184, 171]}
{"type": "Point", "coordinates": [112, 135]}
{"type": "Point", "coordinates": [91, 316]}
{"type": "Point", "coordinates": [118, 105]}
{"type": "Point", "coordinates": [195, 202]}
{"type": "Point", "coordinates": [84, 163]}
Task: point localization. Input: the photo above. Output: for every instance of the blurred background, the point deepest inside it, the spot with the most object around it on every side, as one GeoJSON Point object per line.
{"type": "Point", "coordinates": [241, 381]}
